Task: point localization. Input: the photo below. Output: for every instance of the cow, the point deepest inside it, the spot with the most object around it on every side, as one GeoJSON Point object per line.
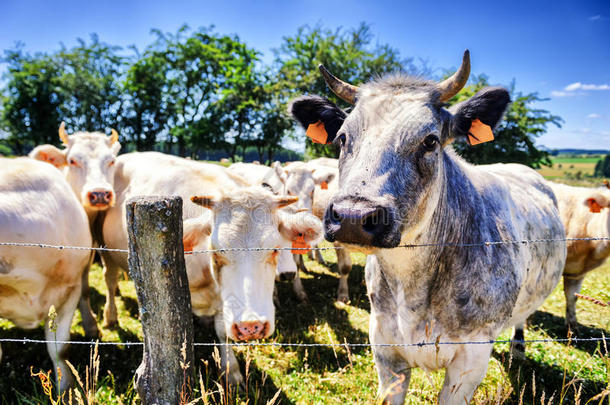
{"type": "Point", "coordinates": [37, 206]}
{"type": "Point", "coordinates": [585, 214]}
{"type": "Point", "coordinates": [400, 182]}
{"type": "Point", "coordinates": [87, 162]}
{"type": "Point", "coordinates": [233, 286]}
{"type": "Point", "coordinates": [255, 174]}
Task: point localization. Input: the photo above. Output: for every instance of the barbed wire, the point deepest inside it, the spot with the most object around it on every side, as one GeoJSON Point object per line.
{"type": "Point", "coordinates": [257, 249]}
{"type": "Point", "coordinates": [280, 344]}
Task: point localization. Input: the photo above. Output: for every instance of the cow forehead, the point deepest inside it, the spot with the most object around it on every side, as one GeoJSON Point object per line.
{"type": "Point", "coordinates": [90, 145]}
{"type": "Point", "coordinates": [238, 226]}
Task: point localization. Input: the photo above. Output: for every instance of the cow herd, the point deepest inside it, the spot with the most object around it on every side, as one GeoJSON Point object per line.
{"type": "Point", "coordinates": [397, 181]}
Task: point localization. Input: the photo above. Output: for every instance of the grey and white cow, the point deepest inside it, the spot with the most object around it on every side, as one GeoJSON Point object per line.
{"type": "Point", "coordinates": [401, 182]}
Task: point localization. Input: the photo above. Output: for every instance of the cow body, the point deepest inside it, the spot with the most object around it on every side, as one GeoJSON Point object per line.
{"type": "Point", "coordinates": [400, 182]}
{"type": "Point", "coordinates": [37, 206]}
{"type": "Point", "coordinates": [87, 163]}
{"type": "Point", "coordinates": [581, 221]}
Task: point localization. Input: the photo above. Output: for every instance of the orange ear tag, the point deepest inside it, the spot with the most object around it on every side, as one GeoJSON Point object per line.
{"type": "Point", "coordinates": [324, 185]}
{"type": "Point", "coordinates": [594, 206]}
{"type": "Point", "coordinates": [299, 246]}
{"type": "Point", "coordinates": [317, 132]}
{"type": "Point", "coordinates": [479, 133]}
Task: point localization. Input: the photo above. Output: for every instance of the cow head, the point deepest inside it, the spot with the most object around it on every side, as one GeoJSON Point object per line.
{"type": "Point", "coordinates": [301, 180]}
{"type": "Point", "coordinates": [252, 218]}
{"type": "Point", "coordinates": [395, 145]}
{"type": "Point", "coordinates": [88, 164]}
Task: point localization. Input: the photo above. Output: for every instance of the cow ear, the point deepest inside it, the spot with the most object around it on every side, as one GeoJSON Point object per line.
{"type": "Point", "coordinates": [279, 170]}
{"type": "Point", "coordinates": [308, 110]}
{"type": "Point", "coordinates": [204, 201]}
{"type": "Point", "coordinates": [195, 232]}
{"type": "Point", "coordinates": [323, 176]}
{"type": "Point", "coordinates": [49, 154]}
{"type": "Point", "coordinates": [596, 202]}
{"type": "Point", "coordinates": [293, 225]}
{"type": "Point", "coordinates": [487, 106]}
{"type": "Point", "coordinates": [284, 201]}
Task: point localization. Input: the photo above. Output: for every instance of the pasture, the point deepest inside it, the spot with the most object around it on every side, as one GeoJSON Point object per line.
{"type": "Point", "coordinates": [320, 375]}
{"type": "Point", "coordinates": [572, 170]}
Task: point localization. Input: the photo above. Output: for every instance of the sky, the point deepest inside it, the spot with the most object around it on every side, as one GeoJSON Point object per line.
{"type": "Point", "coordinates": [559, 49]}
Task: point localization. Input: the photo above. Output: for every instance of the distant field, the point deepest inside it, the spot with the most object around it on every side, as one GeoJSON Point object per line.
{"type": "Point", "coordinates": [572, 170]}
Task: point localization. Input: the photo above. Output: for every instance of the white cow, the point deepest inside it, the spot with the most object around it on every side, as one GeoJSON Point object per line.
{"type": "Point", "coordinates": [585, 213]}
{"type": "Point", "coordinates": [236, 287]}
{"type": "Point", "coordinates": [37, 206]}
{"type": "Point", "coordinates": [87, 162]}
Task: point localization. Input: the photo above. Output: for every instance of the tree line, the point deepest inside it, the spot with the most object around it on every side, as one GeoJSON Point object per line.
{"type": "Point", "coordinates": [203, 94]}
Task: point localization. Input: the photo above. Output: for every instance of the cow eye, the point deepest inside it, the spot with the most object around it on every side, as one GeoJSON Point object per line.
{"type": "Point", "coordinates": [111, 163]}
{"type": "Point", "coordinates": [73, 162]}
{"type": "Point", "coordinates": [430, 142]}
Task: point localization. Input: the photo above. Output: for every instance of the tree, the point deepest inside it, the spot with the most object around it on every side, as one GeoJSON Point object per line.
{"type": "Point", "coordinates": [32, 100]}
{"type": "Point", "coordinates": [516, 134]}
{"type": "Point", "coordinates": [602, 167]}
{"type": "Point", "coordinates": [347, 53]}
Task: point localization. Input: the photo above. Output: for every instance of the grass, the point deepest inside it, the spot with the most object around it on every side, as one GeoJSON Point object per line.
{"type": "Point", "coordinates": [572, 170]}
{"type": "Point", "coordinates": [567, 373]}
{"type": "Point", "coordinates": [323, 375]}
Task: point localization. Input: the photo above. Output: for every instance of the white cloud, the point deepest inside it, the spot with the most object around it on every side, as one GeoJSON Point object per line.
{"type": "Point", "coordinates": [594, 116]}
{"type": "Point", "coordinates": [595, 17]}
{"type": "Point", "coordinates": [578, 89]}
{"type": "Point", "coordinates": [581, 86]}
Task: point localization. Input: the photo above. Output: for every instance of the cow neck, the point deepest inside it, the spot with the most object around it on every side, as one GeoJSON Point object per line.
{"type": "Point", "coordinates": [454, 220]}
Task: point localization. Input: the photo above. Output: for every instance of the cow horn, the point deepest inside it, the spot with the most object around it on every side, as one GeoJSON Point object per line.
{"type": "Point", "coordinates": [451, 86]}
{"type": "Point", "coordinates": [114, 136]}
{"type": "Point", "coordinates": [63, 135]}
{"type": "Point", "coordinates": [345, 91]}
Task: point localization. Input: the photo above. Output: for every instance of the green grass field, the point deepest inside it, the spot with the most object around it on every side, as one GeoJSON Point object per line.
{"type": "Point", "coordinates": [572, 170]}
{"type": "Point", "coordinates": [557, 373]}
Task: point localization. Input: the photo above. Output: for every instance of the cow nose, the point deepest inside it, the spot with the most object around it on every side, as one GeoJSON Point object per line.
{"type": "Point", "coordinates": [250, 330]}
{"type": "Point", "coordinates": [359, 223]}
{"type": "Point", "coordinates": [99, 198]}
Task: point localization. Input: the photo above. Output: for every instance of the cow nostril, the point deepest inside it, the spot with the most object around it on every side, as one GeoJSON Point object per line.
{"type": "Point", "coordinates": [374, 220]}
{"type": "Point", "coordinates": [108, 195]}
{"type": "Point", "coordinates": [334, 215]}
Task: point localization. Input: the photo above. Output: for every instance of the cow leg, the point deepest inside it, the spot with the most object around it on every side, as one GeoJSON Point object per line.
{"type": "Point", "coordinates": [84, 305]}
{"type": "Point", "coordinates": [111, 275]}
{"type": "Point", "coordinates": [298, 288]}
{"type": "Point", "coordinates": [298, 259]}
{"type": "Point", "coordinates": [228, 362]}
{"type": "Point", "coordinates": [344, 264]}
{"type": "Point", "coordinates": [56, 345]}
{"type": "Point", "coordinates": [319, 258]}
{"type": "Point", "coordinates": [394, 374]}
{"type": "Point", "coordinates": [464, 374]}
{"type": "Point", "coordinates": [571, 286]}
{"type": "Point", "coordinates": [517, 349]}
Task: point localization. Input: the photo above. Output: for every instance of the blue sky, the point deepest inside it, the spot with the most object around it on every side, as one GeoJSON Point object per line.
{"type": "Point", "coordinates": [560, 49]}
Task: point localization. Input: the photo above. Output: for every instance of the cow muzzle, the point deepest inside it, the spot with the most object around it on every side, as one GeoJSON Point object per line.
{"type": "Point", "coordinates": [359, 222]}
{"type": "Point", "coordinates": [250, 330]}
{"type": "Point", "coordinates": [100, 198]}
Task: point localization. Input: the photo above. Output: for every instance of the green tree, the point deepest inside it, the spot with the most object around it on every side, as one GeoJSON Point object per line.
{"type": "Point", "coordinates": [349, 54]}
{"type": "Point", "coordinates": [516, 133]}
{"type": "Point", "coordinates": [31, 101]}
{"type": "Point", "coordinates": [602, 167]}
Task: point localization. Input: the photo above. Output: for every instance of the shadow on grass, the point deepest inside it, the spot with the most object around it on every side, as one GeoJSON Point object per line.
{"type": "Point", "coordinates": [548, 378]}
{"type": "Point", "coordinates": [555, 327]}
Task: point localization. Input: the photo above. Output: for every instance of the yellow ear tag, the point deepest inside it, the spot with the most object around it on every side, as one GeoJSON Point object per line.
{"type": "Point", "coordinates": [594, 206]}
{"type": "Point", "coordinates": [299, 246]}
{"type": "Point", "coordinates": [479, 133]}
{"type": "Point", "coordinates": [324, 185]}
{"type": "Point", "coordinates": [317, 132]}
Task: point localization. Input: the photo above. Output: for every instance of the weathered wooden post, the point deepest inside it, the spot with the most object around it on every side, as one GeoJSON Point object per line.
{"type": "Point", "coordinates": [156, 265]}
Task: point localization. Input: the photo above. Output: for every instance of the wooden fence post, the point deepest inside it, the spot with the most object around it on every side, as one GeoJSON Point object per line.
{"type": "Point", "coordinates": [156, 265]}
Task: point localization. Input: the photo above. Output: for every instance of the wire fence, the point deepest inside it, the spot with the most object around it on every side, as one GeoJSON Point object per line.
{"type": "Point", "coordinates": [258, 249]}
{"type": "Point", "coordinates": [346, 344]}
